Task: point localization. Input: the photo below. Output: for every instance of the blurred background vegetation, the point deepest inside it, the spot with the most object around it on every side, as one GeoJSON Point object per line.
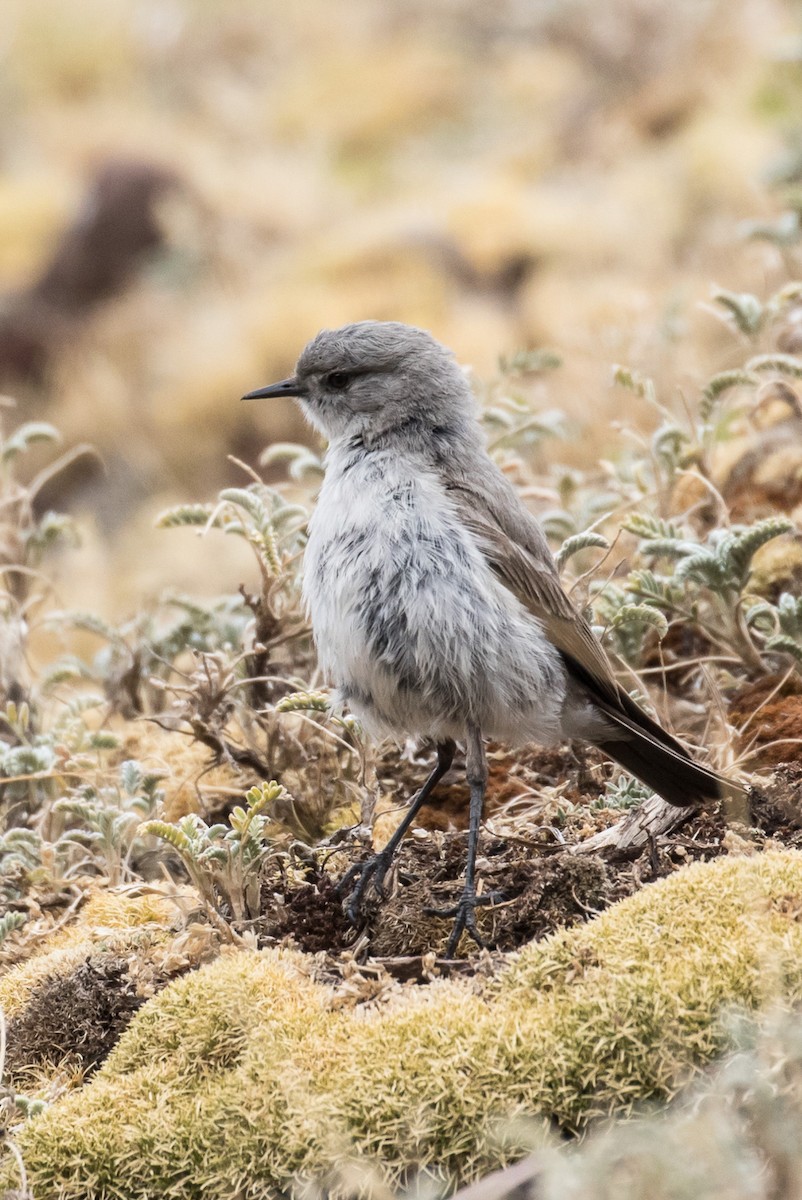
{"type": "Point", "coordinates": [189, 189]}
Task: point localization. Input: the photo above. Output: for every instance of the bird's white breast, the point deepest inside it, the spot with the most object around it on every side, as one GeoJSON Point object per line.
{"type": "Point", "coordinates": [408, 618]}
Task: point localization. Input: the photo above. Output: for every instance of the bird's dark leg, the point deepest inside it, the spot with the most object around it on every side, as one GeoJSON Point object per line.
{"type": "Point", "coordinates": [465, 910]}
{"type": "Point", "coordinates": [376, 867]}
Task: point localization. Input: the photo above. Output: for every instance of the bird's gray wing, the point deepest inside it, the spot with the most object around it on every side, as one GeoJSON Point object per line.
{"type": "Point", "coordinates": [516, 548]}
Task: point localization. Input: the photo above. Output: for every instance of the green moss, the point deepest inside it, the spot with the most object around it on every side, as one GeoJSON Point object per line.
{"type": "Point", "coordinates": [734, 1135]}
{"type": "Point", "coordinates": [243, 1077]}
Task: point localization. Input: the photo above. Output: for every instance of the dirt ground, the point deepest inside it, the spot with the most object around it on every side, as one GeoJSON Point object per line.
{"type": "Point", "coordinates": [536, 880]}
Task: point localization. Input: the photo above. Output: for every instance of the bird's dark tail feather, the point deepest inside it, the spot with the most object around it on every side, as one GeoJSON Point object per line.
{"type": "Point", "coordinates": [675, 777]}
{"type": "Point", "coordinates": [645, 750]}
{"type": "Point", "coordinates": [643, 747]}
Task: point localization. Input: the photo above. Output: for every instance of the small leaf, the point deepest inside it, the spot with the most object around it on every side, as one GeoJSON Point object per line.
{"type": "Point", "coordinates": [579, 541]}
{"type": "Point", "coordinates": [168, 833]}
{"type": "Point", "coordinates": [27, 435]}
{"type": "Point", "coordinates": [658, 589]}
{"type": "Point", "coordinates": [739, 550]}
{"type": "Point", "coordinates": [639, 385]}
{"type": "Point", "coordinates": [64, 670]}
{"type": "Point", "coordinates": [88, 622]}
{"type": "Point", "coordinates": [667, 548]}
{"type": "Point", "coordinates": [645, 526]}
{"type": "Point", "coordinates": [304, 702]}
{"type": "Point", "coordinates": [703, 566]}
{"type": "Point", "coordinates": [104, 739]}
{"type": "Point", "coordinates": [184, 514]}
{"type": "Point", "coordinates": [784, 364]}
{"type": "Point", "coordinates": [529, 362]}
{"type": "Point", "coordinates": [624, 793]}
{"type": "Point", "coordinates": [641, 614]}
{"type": "Point", "coordinates": [10, 922]}
{"type": "Point", "coordinates": [785, 231]}
{"type": "Point", "coordinates": [764, 616]}
{"type": "Point", "coordinates": [263, 794]}
{"type": "Point", "coordinates": [790, 609]}
{"type": "Point", "coordinates": [722, 383]}
{"type": "Point", "coordinates": [263, 534]}
{"type": "Point", "coordinates": [302, 461]}
{"type": "Point", "coordinates": [131, 776]}
{"type": "Point", "coordinates": [668, 443]}
{"type": "Point", "coordinates": [746, 311]}
{"type": "Point", "coordinates": [785, 644]}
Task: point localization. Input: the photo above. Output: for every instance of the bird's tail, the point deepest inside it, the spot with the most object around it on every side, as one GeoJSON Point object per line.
{"type": "Point", "coordinates": [644, 749]}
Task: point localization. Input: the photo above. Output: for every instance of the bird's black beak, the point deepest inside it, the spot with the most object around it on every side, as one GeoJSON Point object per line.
{"type": "Point", "coordinates": [287, 387]}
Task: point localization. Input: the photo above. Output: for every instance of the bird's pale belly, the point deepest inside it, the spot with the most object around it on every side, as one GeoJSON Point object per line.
{"type": "Point", "coordinates": [420, 638]}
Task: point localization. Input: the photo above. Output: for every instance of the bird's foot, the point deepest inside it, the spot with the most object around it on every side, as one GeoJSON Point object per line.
{"type": "Point", "coordinates": [464, 912]}
{"type": "Point", "coordinates": [372, 870]}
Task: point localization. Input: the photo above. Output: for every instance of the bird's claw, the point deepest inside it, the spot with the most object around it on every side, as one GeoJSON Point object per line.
{"type": "Point", "coordinates": [373, 870]}
{"type": "Point", "coordinates": [464, 912]}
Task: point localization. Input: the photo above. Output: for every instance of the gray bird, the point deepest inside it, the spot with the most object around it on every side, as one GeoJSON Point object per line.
{"type": "Point", "coordinates": [435, 603]}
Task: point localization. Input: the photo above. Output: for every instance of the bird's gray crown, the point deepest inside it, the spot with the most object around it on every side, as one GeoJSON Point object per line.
{"type": "Point", "coordinates": [370, 378]}
{"type": "Point", "coordinates": [366, 346]}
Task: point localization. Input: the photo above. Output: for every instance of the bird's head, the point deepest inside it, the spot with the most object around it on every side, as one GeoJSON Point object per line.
{"type": "Point", "coordinates": [375, 376]}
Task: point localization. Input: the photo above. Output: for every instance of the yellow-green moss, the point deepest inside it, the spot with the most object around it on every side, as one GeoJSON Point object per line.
{"type": "Point", "coordinates": [242, 1077]}
{"type": "Point", "coordinates": [108, 921]}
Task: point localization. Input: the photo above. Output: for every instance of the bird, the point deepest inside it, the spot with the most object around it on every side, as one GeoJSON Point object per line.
{"type": "Point", "coordinates": [435, 602]}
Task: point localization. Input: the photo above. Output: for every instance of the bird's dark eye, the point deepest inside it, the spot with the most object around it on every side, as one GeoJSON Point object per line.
{"type": "Point", "coordinates": [338, 380]}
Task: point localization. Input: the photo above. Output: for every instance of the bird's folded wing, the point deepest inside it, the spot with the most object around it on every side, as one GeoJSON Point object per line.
{"type": "Point", "coordinates": [516, 549]}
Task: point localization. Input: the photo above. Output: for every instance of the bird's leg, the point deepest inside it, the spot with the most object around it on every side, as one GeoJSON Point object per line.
{"type": "Point", "coordinates": [375, 868]}
{"type": "Point", "coordinates": [579, 752]}
{"type": "Point", "coordinates": [465, 909]}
